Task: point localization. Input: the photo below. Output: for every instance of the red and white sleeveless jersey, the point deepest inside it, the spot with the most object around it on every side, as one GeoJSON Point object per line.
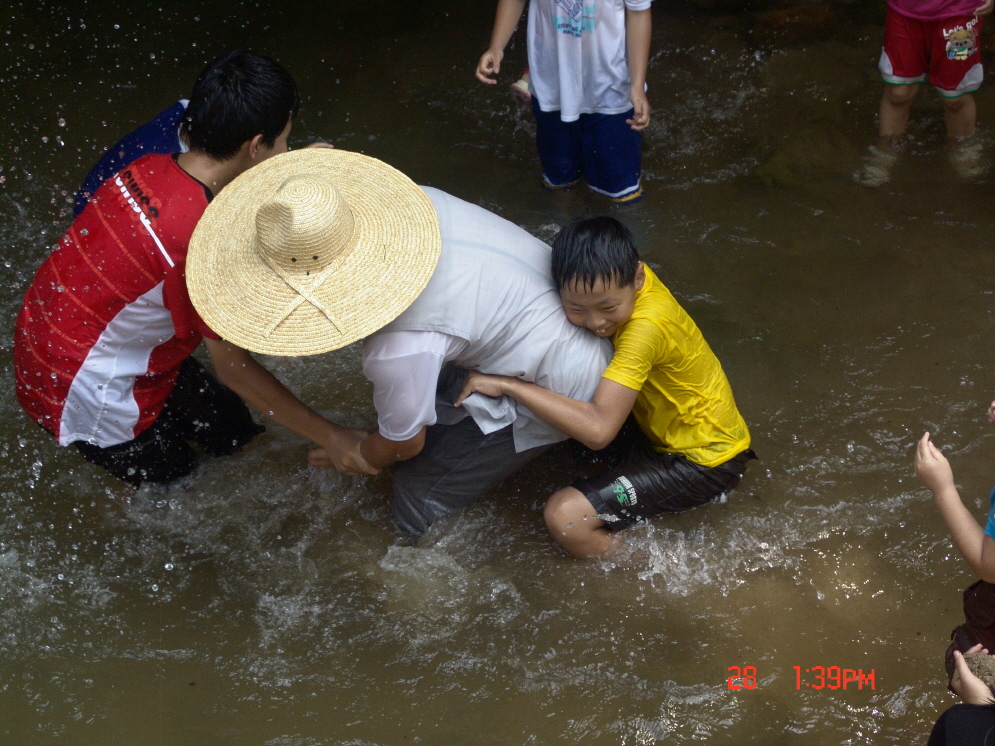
{"type": "Point", "coordinates": [107, 321]}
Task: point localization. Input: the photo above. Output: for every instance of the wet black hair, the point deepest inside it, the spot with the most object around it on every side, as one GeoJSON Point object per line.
{"type": "Point", "coordinates": [592, 250]}
{"type": "Point", "coordinates": [238, 96]}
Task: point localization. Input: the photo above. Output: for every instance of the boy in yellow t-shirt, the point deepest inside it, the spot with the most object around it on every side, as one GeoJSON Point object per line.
{"type": "Point", "coordinates": [691, 445]}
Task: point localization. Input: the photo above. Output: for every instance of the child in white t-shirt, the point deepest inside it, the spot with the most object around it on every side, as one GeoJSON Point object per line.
{"type": "Point", "coordinates": [587, 64]}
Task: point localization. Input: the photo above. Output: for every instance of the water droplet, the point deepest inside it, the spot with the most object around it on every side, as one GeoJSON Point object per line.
{"type": "Point", "coordinates": [155, 587]}
{"type": "Point", "coordinates": [84, 232]}
{"type": "Point", "coordinates": [169, 566]}
{"type": "Point", "coordinates": [60, 576]}
{"type": "Point", "coordinates": [62, 122]}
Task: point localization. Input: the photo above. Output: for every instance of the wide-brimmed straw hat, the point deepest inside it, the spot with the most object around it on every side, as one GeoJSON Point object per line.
{"type": "Point", "coordinates": [311, 250]}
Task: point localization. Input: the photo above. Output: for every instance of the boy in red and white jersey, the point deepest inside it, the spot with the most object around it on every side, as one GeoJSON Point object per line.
{"type": "Point", "coordinates": [938, 40]}
{"type": "Point", "coordinates": [103, 342]}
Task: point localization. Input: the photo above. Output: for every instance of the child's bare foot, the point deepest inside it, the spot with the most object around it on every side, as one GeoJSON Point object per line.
{"type": "Point", "coordinates": [967, 158]}
{"type": "Point", "coordinates": [877, 166]}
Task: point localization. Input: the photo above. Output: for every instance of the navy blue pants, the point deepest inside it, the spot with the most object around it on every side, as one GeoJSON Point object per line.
{"type": "Point", "coordinates": [601, 147]}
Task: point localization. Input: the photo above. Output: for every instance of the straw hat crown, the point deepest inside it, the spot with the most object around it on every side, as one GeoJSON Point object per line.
{"type": "Point", "coordinates": [309, 251]}
{"type": "Point", "coordinates": [305, 226]}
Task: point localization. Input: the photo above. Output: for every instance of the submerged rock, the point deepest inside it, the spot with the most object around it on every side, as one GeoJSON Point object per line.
{"type": "Point", "coordinates": [808, 156]}
{"type": "Point", "coordinates": [797, 23]}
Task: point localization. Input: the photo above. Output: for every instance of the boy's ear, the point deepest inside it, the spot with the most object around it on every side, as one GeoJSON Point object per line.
{"type": "Point", "coordinates": [252, 146]}
{"type": "Point", "coordinates": [640, 278]}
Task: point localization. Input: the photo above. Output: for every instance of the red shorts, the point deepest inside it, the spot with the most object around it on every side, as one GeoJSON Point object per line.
{"type": "Point", "coordinates": [947, 50]}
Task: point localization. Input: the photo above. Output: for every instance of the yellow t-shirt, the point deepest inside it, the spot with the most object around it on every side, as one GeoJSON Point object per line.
{"type": "Point", "coordinates": [685, 404]}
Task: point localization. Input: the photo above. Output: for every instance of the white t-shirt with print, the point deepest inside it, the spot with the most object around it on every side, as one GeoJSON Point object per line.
{"type": "Point", "coordinates": [577, 56]}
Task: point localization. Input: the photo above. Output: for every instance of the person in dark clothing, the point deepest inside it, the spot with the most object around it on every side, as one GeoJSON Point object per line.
{"type": "Point", "coordinates": [972, 722]}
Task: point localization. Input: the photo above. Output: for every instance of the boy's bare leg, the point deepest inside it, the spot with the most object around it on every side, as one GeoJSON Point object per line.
{"type": "Point", "coordinates": [893, 118]}
{"type": "Point", "coordinates": [965, 150]}
{"type": "Point", "coordinates": [960, 115]}
{"type": "Point", "coordinates": [893, 115]}
{"type": "Point", "coordinates": [573, 523]}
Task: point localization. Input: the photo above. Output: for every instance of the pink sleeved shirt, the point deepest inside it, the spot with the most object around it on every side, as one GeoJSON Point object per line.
{"type": "Point", "coordinates": [934, 10]}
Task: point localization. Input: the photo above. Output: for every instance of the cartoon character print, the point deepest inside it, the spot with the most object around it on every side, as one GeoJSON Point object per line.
{"type": "Point", "coordinates": [573, 8]}
{"type": "Point", "coordinates": [579, 16]}
{"type": "Point", "coordinates": [961, 41]}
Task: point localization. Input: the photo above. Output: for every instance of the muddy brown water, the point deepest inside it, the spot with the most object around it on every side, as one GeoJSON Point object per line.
{"type": "Point", "coordinates": [261, 602]}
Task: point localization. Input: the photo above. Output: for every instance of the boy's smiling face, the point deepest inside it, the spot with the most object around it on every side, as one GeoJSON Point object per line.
{"type": "Point", "coordinates": [603, 308]}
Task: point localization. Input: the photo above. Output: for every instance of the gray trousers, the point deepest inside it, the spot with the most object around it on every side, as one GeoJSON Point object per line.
{"type": "Point", "coordinates": [457, 465]}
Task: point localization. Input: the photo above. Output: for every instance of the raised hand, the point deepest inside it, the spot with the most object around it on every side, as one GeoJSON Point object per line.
{"type": "Point", "coordinates": [932, 466]}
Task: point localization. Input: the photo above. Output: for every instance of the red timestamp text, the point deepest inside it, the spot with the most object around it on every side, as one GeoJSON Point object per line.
{"type": "Point", "coordinates": [747, 675]}
{"type": "Point", "coordinates": [816, 677]}
{"type": "Point", "coordinates": [833, 677]}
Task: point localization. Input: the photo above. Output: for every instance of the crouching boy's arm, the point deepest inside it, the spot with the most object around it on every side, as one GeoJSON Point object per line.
{"type": "Point", "coordinates": [969, 537]}
{"type": "Point", "coordinates": [240, 372]}
{"type": "Point", "coordinates": [380, 451]}
{"type": "Point", "coordinates": [594, 423]}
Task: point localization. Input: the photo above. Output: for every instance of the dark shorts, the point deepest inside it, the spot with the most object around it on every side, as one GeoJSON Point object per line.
{"type": "Point", "coordinates": [199, 410]}
{"type": "Point", "coordinates": [646, 483]}
{"type": "Point", "coordinates": [602, 147]}
{"type": "Point", "coordinates": [457, 465]}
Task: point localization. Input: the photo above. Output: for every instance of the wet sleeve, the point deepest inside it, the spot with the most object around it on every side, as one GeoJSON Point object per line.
{"type": "Point", "coordinates": [963, 725]}
{"type": "Point", "coordinates": [186, 321]}
{"type": "Point", "coordinates": [990, 525]}
{"type": "Point", "coordinates": [404, 391]}
{"type": "Point", "coordinates": [638, 347]}
{"type": "Point", "coordinates": [938, 736]}
{"type": "Point", "coordinates": [161, 135]}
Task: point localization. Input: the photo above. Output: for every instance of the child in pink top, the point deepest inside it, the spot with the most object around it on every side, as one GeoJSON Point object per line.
{"type": "Point", "coordinates": [938, 40]}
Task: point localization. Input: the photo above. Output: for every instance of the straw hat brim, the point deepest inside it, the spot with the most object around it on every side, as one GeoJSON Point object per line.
{"type": "Point", "coordinates": [396, 247]}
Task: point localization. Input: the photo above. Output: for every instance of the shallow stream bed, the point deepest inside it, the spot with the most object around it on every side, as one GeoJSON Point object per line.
{"type": "Point", "coordinates": [262, 602]}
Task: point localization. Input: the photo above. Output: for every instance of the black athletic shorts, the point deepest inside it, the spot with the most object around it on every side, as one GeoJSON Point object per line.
{"type": "Point", "coordinates": [644, 483]}
{"type": "Point", "coordinates": [199, 410]}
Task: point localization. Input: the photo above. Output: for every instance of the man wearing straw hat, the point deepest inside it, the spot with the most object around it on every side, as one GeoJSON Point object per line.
{"type": "Point", "coordinates": [316, 249]}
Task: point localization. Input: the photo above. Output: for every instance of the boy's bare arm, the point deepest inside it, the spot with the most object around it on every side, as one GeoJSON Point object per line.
{"type": "Point", "coordinates": [638, 33]}
{"type": "Point", "coordinates": [240, 372]}
{"type": "Point", "coordinates": [969, 537]}
{"type": "Point", "coordinates": [505, 20]}
{"type": "Point", "coordinates": [593, 423]}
